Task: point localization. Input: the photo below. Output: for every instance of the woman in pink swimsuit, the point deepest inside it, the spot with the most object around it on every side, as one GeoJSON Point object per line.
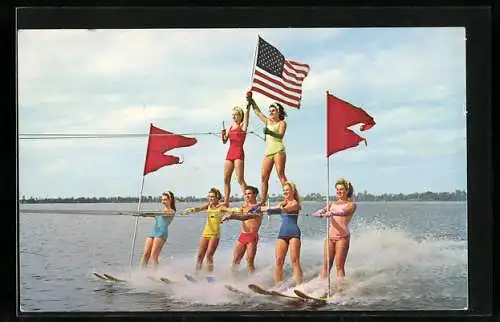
{"type": "Point", "coordinates": [340, 214]}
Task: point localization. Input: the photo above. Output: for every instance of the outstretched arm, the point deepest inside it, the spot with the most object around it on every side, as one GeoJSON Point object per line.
{"type": "Point", "coordinates": [168, 212]}
{"type": "Point", "coordinates": [241, 217]}
{"type": "Point", "coordinates": [196, 209]}
{"type": "Point", "coordinates": [347, 211]}
{"type": "Point", "coordinates": [290, 207]}
{"type": "Point", "coordinates": [165, 212]}
{"type": "Point", "coordinates": [238, 214]}
{"type": "Point", "coordinates": [320, 212]}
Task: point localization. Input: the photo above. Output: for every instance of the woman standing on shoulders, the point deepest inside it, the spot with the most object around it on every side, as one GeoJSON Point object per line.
{"type": "Point", "coordinates": [340, 214]}
{"type": "Point", "coordinates": [159, 232]}
{"type": "Point", "coordinates": [210, 236]}
{"type": "Point", "coordinates": [235, 158]}
{"type": "Point", "coordinates": [275, 127]}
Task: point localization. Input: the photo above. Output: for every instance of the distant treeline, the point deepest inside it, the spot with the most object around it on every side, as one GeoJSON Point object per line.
{"type": "Point", "coordinates": [458, 195]}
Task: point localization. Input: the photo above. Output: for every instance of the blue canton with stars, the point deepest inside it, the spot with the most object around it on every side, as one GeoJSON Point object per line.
{"type": "Point", "coordinates": [270, 59]}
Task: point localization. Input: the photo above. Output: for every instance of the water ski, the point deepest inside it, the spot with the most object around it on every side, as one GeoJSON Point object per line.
{"type": "Point", "coordinates": [190, 278]}
{"type": "Point", "coordinates": [322, 299]}
{"type": "Point", "coordinates": [112, 278]}
{"type": "Point", "coordinates": [165, 280]}
{"type": "Point", "coordinates": [234, 289]}
{"type": "Point", "coordinates": [162, 280]}
{"type": "Point", "coordinates": [287, 296]}
{"type": "Point", "coordinates": [99, 276]}
{"type": "Point", "coordinates": [257, 289]}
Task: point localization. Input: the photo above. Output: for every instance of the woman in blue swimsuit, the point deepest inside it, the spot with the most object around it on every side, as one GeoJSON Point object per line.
{"type": "Point", "coordinates": [289, 234]}
{"type": "Point", "coordinates": [159, 232]}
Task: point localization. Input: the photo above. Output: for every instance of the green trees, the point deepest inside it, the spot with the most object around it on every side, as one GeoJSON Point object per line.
{"type": "Point", "coordinates": [458, 195]}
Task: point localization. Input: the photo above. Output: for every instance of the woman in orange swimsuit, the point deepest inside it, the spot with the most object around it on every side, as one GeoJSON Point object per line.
{"type": "Point", "coordinates": [340, 214]}
{"type": "Point", "coordinates": [235, 158]}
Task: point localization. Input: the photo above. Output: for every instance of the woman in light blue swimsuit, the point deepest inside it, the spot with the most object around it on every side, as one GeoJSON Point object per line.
{"type": "Point", "coordinates": [289, 234]}
{"type": "Point", "coordinates": [159, 232]}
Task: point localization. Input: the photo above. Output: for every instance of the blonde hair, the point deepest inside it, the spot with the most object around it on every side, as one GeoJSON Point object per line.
{"type": "Point", "coordinates": [240, 112]}
{"type": "Point", "coordinates": [347, 185]}
{"type": "Point", "coordinates": [296, 195]}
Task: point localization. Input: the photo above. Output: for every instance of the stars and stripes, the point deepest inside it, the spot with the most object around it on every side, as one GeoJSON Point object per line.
{"type": "Point", "coordinates": [276, 77]}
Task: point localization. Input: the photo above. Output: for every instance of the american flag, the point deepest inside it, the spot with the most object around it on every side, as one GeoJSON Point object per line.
{"type": "Point", "coordinates": [276, 77]}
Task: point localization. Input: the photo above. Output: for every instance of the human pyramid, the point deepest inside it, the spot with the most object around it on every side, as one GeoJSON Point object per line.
{"type": "Point", "coordinates": [250, 213]}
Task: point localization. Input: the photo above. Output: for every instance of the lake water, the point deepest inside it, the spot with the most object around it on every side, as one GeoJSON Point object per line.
{"type": "Point", "coordinates": [403, 256]}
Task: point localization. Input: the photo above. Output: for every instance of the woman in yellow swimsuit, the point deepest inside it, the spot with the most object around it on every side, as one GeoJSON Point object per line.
{"type": "Point", "coordinates": [210, 236]}
{"type": "Point", "coordinates": [275, 127]}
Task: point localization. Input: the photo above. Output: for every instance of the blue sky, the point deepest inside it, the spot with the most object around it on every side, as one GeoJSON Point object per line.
{"type": "Point", "coordinates": [411, 80]}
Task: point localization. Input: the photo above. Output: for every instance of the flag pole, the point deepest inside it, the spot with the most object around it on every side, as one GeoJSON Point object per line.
{"type": "Point", "coordinates": [254, 60]}
{"type": "Point", "coordinates": [139, 204]}
{"type": "Point", "coordinates": [327, 204]}
{"type": "Point", "coordinates": [327, 230]}
{"type": "Point", "coordinates": [253, 69]}
{"type": "Point", "coordinates": [135, 227]}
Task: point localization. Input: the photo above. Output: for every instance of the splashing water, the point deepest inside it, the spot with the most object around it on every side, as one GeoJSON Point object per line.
{"type": "Point", "coordinates": [396, 261]}
{"type": "Point", "coordinates": [384, 266]}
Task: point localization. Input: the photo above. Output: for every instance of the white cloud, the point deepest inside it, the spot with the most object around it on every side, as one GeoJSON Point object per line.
{"type": "Point", "coordinates": [430, 142]}
{"type": "Point", "coordinates": [428, 69]}
{"type": "Point", "coordinates": [405, 118]}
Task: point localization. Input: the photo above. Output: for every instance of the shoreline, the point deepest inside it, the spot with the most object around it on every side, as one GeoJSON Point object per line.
{"type": "Point", "coordinates": [239, 201]}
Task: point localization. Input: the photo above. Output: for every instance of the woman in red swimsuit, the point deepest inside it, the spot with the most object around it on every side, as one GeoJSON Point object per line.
{"type": "Point", "coordinates": [235, 158]}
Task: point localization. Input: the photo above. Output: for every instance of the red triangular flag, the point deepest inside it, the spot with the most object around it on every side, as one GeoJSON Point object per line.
{"type": "Point", "coordinates": [339, 116]}
{"type": "Point", "coordinates": [158, 144]}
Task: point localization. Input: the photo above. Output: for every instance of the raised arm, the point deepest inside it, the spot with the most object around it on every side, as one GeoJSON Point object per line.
{"type": "Point", "coordinates": [256, 109]}
{"type": "Point", "coordinates": [246, 118]}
